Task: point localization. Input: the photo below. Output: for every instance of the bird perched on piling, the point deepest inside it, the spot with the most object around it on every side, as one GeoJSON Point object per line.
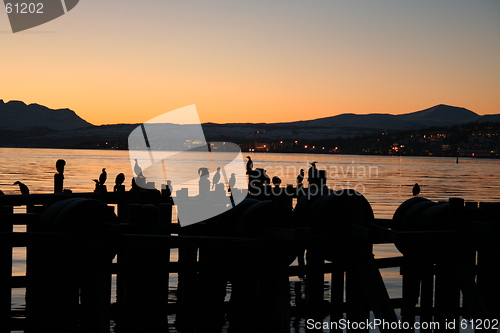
{"type": "Point", "coordinates": [138, 169]}
{"type": "Point", "coordinates": [103, 176]}
{"type": "Point", "coordinates": [24, 189]}
{"type": "Point", "coordinates": [416, 189]}
{"type": "Point", "coordinates": [135, 187]}
{"type": "Point", "coordinates": [232, 182]}
{"type": "Point", "coordinates": [216, 178]}
{"type": "Point", "coordinates": [313, 171]}
{"type": "Point", "coordinates": [60, 166]}
{"type": "Point", "coordinates": [169, 186]}
{"type": "Point", "coordinates": [300, 177]}
{"type": "Point", "coordinates": [276, 181]}
{"type": "Point", "coordinates": [120, 178]}
{"type": "Point", "coordinates": [249, 165]}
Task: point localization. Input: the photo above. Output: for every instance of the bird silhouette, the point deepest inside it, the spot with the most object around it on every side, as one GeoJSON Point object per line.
{"type": "Point", "coordinates": [135, 187]}
{"type": "Point", "coordinates": [249, 165]}
{"type": "Point", "coordinates": [300, 177]}
{"type": "Point", "coordinates": [96, 182]}
{"type": "Point", "coordinates": [216, 178]}
{"type": "Point", "coordinates": [416, 189]}
{"type": "Point", "coordinates": [203, 173]}
{"type": "Point", "coordinates": [60, 166]}
{"type": "Point", "coordinates": [24, 189]}
{"type": "Point", "coordinates": [103, 176]}
{"type": "Point", "coordinates": [276, 181]}
{"type": "Point", "coordinates": [137, 169]}
{"type": "Point", "coordinates": [313, 171]}
{"type": "Point", "coordinates": [232, 182]}
{"type": "Point", "coordinates": [120, 178]}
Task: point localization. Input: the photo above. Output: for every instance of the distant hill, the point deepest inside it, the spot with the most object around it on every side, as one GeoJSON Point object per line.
{"type": "Point", "coordinates": [439, 115]}
{"type": "Point", "coordinates": [17, 116]}
{"type": "Point", "coordinates": [349, 125]}
{"type": "Point", "coordinates": [37, 126]}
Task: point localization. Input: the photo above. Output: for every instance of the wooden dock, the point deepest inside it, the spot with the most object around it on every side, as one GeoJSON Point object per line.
{"type": "Point", "coordinates": [449, 263]}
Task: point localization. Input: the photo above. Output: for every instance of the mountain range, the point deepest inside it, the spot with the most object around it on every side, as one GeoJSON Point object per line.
{"type": "Point", "coordinates": [16, 115]}
{"type": "Point", "coordinates": [34, 125]}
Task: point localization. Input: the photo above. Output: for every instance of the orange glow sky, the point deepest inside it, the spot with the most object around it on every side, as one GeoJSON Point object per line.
{"type": "Point", "coordinates": [256, 61]}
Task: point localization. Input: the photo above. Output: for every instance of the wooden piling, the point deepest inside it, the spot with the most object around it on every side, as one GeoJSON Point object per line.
{"type": "Point", "coordinates": [143, 293]}
{"type": "Point", "coordinates": [69, 280]}
{"type": "Point", "coordinates": [5, 269]}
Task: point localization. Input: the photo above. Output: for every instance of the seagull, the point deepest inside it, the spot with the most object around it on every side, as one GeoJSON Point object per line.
{"type": "Point", "coordinates": [60, 166]}
{"type": "Point", "coordinates": [276, 181]}
{"type": "Point", "coordinates": [232, 182]}
{"type": "Point", "coordinates": [216, 178]}
{"type": "Point", "coordinates": [103, 177]}
{"type": "Point", "coordinates": [138, 169]}
{"type": "Point", "coordinates": [249, 165]}
{"type": "Point", "coordinates": [24, 189]}
{"type": "Point", "coordinates": [300, 177]}
{"type": "Point", "coordinates": [416, 189]}
{"type": "Point", "coordinates": [120, 178]}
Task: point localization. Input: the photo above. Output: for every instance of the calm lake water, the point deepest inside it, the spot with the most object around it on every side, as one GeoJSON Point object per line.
{"type": "Point", "coordinates": [386, 181]}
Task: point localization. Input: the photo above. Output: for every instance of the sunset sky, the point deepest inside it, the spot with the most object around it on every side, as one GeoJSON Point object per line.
{"type": "Point", "coordinates": [256, 61]}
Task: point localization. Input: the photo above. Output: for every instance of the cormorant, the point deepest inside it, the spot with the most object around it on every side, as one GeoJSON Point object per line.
{"type": "Point", "coordinates": [232, 182]}
{"type": "Point", "coordinates": [120, 178]}
{"type": "Point", "coordinates": [203, 173]}
{"type": "Point", "coordinates": [60, 166]}
{"type": "Point", "coordinates": [24, 189]}
{"type": "Point", "coordinates": [134, 187]}
{"type": "Point", "coordinates": [312, 173]}
{"type": "Point", "coordinates": [416, 189]}
{"type": "Point", "coordinates": [276, 181]}
{"type": "Point", "coordinates": [216, 178]}
{"type": "Point", "coordinates": [300, 177]}
{"type": "Point", "coordinates": [103, 176]}
{"type": "Point", "coordinates": [249, 165]}
{"type": "Point", "coordinates": [138, 169]}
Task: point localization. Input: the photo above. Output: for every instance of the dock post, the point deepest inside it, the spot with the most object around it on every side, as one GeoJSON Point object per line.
{"type": "Point", "coordinates": [144, 276]}
{"type": "Point", "coordinates": [487, 260]}
{"type": "Point", "coordinates": [315, 283]}
{"type": "Point", "coordinates": [411, 270]}
{"type": "Point", "coordinates": [5, 271]}
{"type": "Point", "coordinates": [69, 280]}
{"type": "Point", "coordinates": [187, 287]}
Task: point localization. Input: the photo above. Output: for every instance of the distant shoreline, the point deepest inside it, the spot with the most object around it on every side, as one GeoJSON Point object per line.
{"type": "Point", "coordinates": [278, 152]}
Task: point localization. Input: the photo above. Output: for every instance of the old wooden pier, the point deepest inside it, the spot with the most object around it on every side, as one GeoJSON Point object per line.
{"type": "Point", "coordinates": [449, 262]}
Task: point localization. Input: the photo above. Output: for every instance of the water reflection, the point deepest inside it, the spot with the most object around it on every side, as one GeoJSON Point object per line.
{"type": "Point", "coordinates": [386, 181]}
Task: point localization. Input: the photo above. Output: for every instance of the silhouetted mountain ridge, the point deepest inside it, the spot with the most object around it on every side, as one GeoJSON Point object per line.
{"type": "Point", "coordinates": [17, 116]}
{"type": "Point", "coordinates": [63, 128]}
{"type": "Point", "coordinates": [438, 115]}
